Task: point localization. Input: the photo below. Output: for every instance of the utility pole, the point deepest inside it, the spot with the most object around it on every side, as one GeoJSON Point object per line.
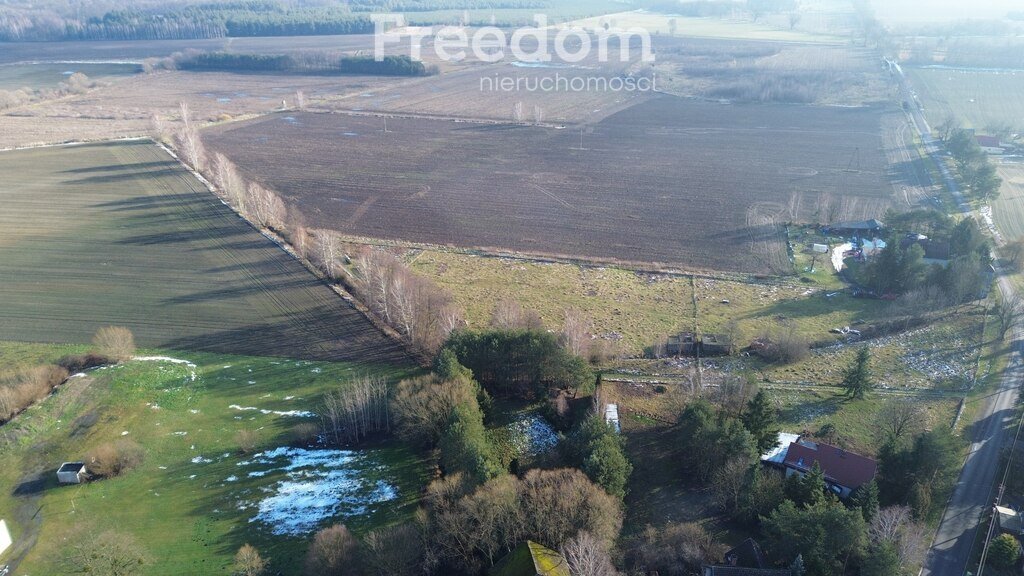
{"type": "Point", "coordinates": [991, 528]}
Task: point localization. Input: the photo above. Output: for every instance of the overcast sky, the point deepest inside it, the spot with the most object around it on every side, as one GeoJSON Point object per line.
{"type": "Point", "coordinates": [933, 10]}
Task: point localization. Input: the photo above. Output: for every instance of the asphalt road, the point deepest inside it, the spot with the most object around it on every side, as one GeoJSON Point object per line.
{"type": "Point", "coordinates": [950, 552]}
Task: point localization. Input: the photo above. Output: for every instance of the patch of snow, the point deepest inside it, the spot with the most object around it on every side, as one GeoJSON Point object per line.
{"type": "Point", "coordinates": [296, 413]}
{"type": "Point", "coordinates": [231, 478]}
{"type": "Point", "coordinates": [191, 366]}
{"type": "Point", "coordinates": [125, 433]}
{"type": "Point", "coordinates": [78, 375]}
{"type": "Point", "coordinates": [193, 411]}
{"type": "Point", "coordinates": [201, 460]}
{"type": "Point", "coordinates": [183, 433]}
{"type": "Point", "coordinates": [318, 485]}
{"type": "Point", "coordinates": [532, 435]}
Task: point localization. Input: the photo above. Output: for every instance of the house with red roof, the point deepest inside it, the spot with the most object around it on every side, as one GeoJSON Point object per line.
{"type": "Point", "coordinates": [844, 471]}
{"type": "Point", "coordinates": [990, 144]}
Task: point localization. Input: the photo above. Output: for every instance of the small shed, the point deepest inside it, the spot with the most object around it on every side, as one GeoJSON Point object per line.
{"type": "Point", "coordinates": [1009, 521]}
{"type": "Point", "coordinates": [819, 248]}
{"type": "Point", "coordinates": [716, 345]}
{"type": "Point", "coordinates": [5, 537]}
{"type": "Point", "coordinates": [683, 344]}
{"type": "Point", "coordinates": [71, 473]}
{"type": "Point", "coordinates": [611, 416]}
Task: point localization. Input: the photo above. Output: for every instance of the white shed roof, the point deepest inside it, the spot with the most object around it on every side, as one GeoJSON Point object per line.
{"type": "Point", "coordinates": [611, 416]}
{"type": "Point", "coordinates": [777, 455]}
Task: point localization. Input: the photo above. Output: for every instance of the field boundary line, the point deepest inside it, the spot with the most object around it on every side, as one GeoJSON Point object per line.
{"type": "Point", "coordinates": [539, 258]}
{"type": "Point", "coordinates": [288, 249]}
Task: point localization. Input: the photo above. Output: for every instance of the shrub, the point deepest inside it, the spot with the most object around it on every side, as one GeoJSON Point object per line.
{"type": "Point", "coordinates": [396, 550]}
{"type": "Point", "coordinates": [247, 441]}
{"type": "Point", "coordinates": [421, 407]}
{"type": "Point", "coordinates": [1004, 552]}
{"type": "Point", "coordinates": [598, 451]}
{"type": "Point", "coordinates": [75, 363]}
{"type": "Point", "coordinates": [784, 347]}
{"type": "Point", "coordinates": [248, 562]}
{"type": "Point", "coordinates": [115, 342]}
{"type": "Point", "coordinates": [22, 388]}
{"type": "Point", "coordinates": [465, 446]}
{"type": "Point", "coordinates": [333, 552]}
{"type": "Point", "coordinates": [115, 458]}
{"type": "Point", "coordinates": [675, 550]}
{"type": "Point", "coordinates": [305, 433]}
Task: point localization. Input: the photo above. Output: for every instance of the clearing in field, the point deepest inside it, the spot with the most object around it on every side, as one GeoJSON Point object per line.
{"type": "Point", "coordinates": [121, 234]}
{"type": "Point", "coordinates": [225, 462]}
{"type": "Point", "coordinates": [703, 185]}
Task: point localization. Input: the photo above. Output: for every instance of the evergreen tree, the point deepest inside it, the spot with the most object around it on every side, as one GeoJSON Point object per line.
{"type": "Point", "coordinates": [760, 421]}
{"type": "Point", "coordinates": [825, 534]}
{"type": "Point", "coordinates": [857, 378]}
{"type": "Point", "coordinates": [1004, 552]}
{"type": "Point", "coordinates": [865, 498]}
{"type": "Point", "coordinates": [882, 560]}
{"type": "Point", "coordinates": [809, 489]}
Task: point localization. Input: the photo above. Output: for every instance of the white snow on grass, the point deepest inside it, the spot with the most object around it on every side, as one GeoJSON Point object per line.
{"type": "Point", "coordinates": [191, 366]}
{"type": "Point", "coordinates": [201, 460]}
{"type": "Point", "coordinates": [532, 435]}
{"type": "Point", "coordinates": [318, 485]}
{"type": "Point", "coordinates": [295, 413]}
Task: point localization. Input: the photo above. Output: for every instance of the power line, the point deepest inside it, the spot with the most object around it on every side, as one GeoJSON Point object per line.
{"type": "Point", "coordinates": [999, 496]}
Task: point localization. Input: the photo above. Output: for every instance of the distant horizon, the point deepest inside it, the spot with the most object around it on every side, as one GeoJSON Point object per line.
{"type": "Point", "coordinates": [942, 10]}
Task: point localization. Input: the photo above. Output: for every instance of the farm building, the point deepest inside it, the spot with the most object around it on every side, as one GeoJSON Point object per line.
{"type": "Point", "coordinates": [862, 228]}
{"type": "Point", "coordinates": [989, 144]}
{"type": "Point", "coordinates": [684, 344]}
{"type": "Point", "coordinates": [71, 473]}
{"type": "Point", "coordinates": [531, 559]}
{"type": "Point", "coordinates": [844, 471]}
{"type": "Point", "coordinates": [690, 344]}
{"type": "Point", "coordinates": [935, 252]}
{"type": "Point", "coordinates": [716, 345]}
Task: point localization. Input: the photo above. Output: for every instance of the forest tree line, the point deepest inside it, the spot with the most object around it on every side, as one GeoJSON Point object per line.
{"type": "Point", "coordinates": [165, 20]}
{"type": "Point", "coordinates": [306, 63]}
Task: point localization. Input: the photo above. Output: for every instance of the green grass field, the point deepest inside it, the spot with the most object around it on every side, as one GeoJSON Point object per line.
{"type": "Point", "coordinates": [195, 498]}
{"type": "Point", "coordinates": [48, 75]}
{"type": "Point", "coordinates": [1008, 210]}
{"type": "Point", "coordinates": [643, 308]}
{"type": "Point", "coordinates": [120, 234]}
{"type": "Point", "coordinates": [977, 99]}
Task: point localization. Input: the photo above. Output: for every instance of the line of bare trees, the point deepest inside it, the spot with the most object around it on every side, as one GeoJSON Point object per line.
{"type": "Point", "coordinates": [422, 312]}
{"type": "Point", "coordinates": [357, 410]}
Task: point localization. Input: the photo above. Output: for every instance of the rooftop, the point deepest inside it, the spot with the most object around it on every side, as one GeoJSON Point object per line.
{"type": "Point", "coordinates": [840, 466]}
{"type": "Point", "coordinates": [777, 455]}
